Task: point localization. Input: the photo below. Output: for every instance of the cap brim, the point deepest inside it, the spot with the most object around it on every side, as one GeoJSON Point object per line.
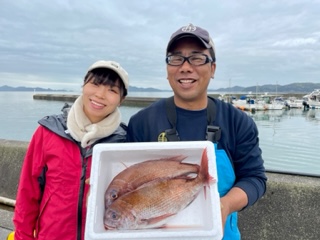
{"type": "Point", "coordinates": [187, 35]}
{"type": "Point", "coordinates": [114, 67]}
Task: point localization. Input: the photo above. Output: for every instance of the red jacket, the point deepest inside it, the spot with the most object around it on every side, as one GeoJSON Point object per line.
{"type": "Point", "coordinates": [54, 214]}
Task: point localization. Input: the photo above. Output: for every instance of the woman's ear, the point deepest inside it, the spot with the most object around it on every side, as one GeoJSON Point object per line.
{"type": "Point", "coordinates": [121, 101]}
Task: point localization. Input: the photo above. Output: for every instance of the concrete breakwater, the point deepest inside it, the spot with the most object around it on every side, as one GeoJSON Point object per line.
{"type": "Point", "coordinates": [129, 101]}
{"type": "Point", "coordinates": [290, 208]}
{"type": "Point", "coordinates": [136, 101]}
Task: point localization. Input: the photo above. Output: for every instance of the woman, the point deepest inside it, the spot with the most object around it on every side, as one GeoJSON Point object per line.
{"type": "Point", "coordinates": [51, 197]}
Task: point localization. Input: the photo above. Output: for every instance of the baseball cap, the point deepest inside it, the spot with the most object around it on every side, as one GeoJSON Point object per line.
{"type": "Point", "coordinates": [193, 31]}
{"type": "Point", "coordinates": [114, 66]}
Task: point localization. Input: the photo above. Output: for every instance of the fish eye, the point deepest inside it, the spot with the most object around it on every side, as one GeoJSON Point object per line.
{"type": "Point", "coordinates": [114, 216]}
{"type": "Point", "coordinates": [114, 195]}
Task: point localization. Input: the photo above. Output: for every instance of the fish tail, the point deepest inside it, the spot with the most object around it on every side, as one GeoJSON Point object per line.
{"type": "Point", "coordinates": [207, 179]}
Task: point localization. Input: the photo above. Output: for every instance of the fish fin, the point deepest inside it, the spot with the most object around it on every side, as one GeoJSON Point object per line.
{"type": "Point", "coordinates": [178, 158]}
{"type": "Point", "coordinates": [187, 176]}
{"type": "Point", "coordinates": [204, 172]}
{"type": "Point", "coordinates": [155, 220]}
{"type": "Point", "coordinates": [124, 164]}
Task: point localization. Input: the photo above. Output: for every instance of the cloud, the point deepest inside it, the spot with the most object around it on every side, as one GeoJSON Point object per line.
{"type": "Point", "coordinates": [295, 42]}
{"type": "Point", "coordinates": [52, 43]}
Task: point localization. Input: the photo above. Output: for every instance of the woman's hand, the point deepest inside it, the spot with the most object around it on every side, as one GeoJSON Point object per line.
{"type": "Point", "coordinates": [87, 181]}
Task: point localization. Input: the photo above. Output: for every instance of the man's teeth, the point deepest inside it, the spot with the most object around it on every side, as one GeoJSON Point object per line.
{"type": "Point", "coordinates": [186, 81]}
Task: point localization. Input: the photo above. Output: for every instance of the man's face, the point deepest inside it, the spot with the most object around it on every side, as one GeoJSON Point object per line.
{"type": "Point", "coordinates": [188, 82]}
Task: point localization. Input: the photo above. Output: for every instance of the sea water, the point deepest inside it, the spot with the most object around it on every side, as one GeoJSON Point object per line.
{"type": "Point", "coordinates": [289, 139]}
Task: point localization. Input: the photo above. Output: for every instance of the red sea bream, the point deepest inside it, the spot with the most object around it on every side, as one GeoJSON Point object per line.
{"type": "Point", "coordinates": [152, 204]}
{"type": "Point", "coordinates": [141, 173]}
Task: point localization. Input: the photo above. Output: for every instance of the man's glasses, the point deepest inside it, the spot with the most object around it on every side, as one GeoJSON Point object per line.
{"type": "Point", "coordinates": [195, 59]}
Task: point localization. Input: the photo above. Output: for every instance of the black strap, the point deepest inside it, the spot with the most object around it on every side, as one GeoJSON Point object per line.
{"type": "Point", "coordinates": [42, 181]}
{"type": "Point", "coordinates": [171, 134]}
{"type": "Point", "coordinates": [213, 132]}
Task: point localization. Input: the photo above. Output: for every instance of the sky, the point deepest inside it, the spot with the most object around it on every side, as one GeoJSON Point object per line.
{"type": "Point", "coordinates": [51, 44]}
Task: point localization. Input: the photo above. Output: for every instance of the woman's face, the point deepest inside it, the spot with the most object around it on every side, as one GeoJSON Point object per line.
{"type": "Point", "coordinates": [100, 100]}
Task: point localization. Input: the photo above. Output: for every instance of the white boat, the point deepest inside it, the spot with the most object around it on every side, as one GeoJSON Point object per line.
{"type": "Point", "coordinates": [270, 102]}
{"type": "Point", "coordinates": [264, 102]}
{"type": "Point", "coordinates": [312, 100]}
{"type": "Point", "coordinates": [274, 105]}
{"type": "Point", "coordinates": [293, 102]}
{"type": "Point", "coordinates": [246, 103]}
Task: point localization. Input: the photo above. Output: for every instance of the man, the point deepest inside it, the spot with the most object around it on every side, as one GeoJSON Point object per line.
{"type": "Point", "coordinates": [193, 116]}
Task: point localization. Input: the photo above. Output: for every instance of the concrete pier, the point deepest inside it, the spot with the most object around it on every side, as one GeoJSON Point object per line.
{"type": "Point", "coordinates": [290, 208]}
{"type": "Point", "coordinates": [135, 101]}
{"type": "Point", "coordinates": [129, 101]}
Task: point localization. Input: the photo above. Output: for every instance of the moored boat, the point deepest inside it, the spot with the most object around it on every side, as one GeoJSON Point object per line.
{"type": "Point", "coordinates": [293, 102]}
{"type": "Point", "coordinates": [245, 103]}
{"type": "Point", "coordinates": [271, 102]}
{"type": "Point", "coordinates": [312, 100]}
{"type": "Point", "coordinates": [262, 103]}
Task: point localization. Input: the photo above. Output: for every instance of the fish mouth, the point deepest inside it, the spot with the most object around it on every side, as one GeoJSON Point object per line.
{"type": "Point", "coordinates": [109, 227]}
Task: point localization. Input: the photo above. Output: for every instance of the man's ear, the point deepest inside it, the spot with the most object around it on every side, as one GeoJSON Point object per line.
{"type": "Point", "coordinates": [213, 70]}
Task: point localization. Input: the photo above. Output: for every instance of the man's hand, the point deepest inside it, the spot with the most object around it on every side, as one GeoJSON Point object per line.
{"type": "Point", "coordinates": [235, 200]}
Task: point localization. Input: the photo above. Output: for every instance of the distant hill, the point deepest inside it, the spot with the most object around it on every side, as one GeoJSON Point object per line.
{"type": "Point", "coordinates": [289, 88]}
{"type": "Point", "coordinates": [231, 89]}
{"type": "Point", "coordinates": [6, 88]}
{"type": "Point", "coordinates": [270, 88]}
{"type": "Point", "coordinates": [137, 89]}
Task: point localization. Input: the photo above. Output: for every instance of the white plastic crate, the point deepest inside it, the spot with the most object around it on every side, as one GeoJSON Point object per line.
{"type": "Point", "coordinates": [200, 220]}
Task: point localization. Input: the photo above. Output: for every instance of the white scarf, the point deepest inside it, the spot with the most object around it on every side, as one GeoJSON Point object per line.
{"type": "Point", "coordinates": [81, 128]}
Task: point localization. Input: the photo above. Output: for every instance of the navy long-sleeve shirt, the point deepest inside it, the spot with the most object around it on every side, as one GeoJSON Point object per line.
{"type": "Point", "coordinates": [239, 138]}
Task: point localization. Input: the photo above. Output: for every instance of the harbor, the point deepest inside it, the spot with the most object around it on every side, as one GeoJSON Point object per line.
{"type": "Point", "coordinates": [293, 179]}
{"type": "Point", "coordinates": [284, 144]}
{"type": "Point", "coordinates": [76, 78]}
